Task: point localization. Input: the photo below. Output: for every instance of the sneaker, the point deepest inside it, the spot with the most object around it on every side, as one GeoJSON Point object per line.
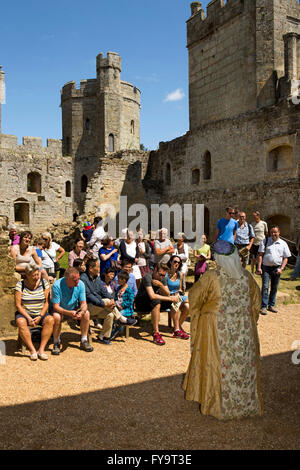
{"type": "Point", "coordinates": [272, 309]}
{"type": "Point", "coordinates": [104, 340]}
{"type": "Point", "coordinates": [85, 346]}
{"type": "Point", "coordinates": [97, 324]}
{"type": "Point", "coordinates": [263, 311]}
{"type": "Point", "coordinates": [180, 334]}
{"type": "Point", "coordinates": [56, 349]}
{"type": "Point", "coordinates": [117, 329]}
{"type": "Point", "coordinates": [157, 339]}
{"type": "Point", "coordinates": [131, 321]}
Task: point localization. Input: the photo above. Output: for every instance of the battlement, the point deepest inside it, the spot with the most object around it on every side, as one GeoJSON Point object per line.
{"type": "Point", "coordinates": [218, 13]}
{"type": "Point", "coordinates": [113, 60]}
{"type": "Point", "coordinates": [10, 142]}
{"type": "Point", "coordinates": [86, 88]}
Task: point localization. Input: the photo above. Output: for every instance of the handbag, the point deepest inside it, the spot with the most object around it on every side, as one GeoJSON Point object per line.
{"type": "Point", "coordinates": [56, 263]}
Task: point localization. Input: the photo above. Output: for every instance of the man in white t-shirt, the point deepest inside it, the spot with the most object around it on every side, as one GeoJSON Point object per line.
{"type": "Point", "coordinates": [163, 247]}
{"type": "Point", "coordinates": [260, 228]}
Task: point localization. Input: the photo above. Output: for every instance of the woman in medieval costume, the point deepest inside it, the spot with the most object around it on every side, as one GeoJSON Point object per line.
{"type": "Point", "coordinates": [224, 370]}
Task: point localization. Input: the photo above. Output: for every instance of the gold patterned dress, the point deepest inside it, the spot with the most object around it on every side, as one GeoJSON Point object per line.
{"type": "Point", "coordinates": [224, 370]}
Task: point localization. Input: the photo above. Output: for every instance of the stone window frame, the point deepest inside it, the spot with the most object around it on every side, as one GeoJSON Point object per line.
{"type": "Point", "coordinates": [87, 126]}
{"type": "Point", "coordinates": [34, 179]}
{"type": "Point", "coordinates": [204, 166]}
{"type": "Point", "coordinates": [24, 202]}
{"type": "Point", "coordinates": [132, 126]}
{"type": "Point", "coordinates": [168, 174]}
{"type": "Point", "coordinates": [68, 188]}
{"type": "Point", "coordinates": [275, 143]}
{"type": "Point", "coordinates": [193, 173]}
{"type": "Point", "coordinates": [111, 142]}
{"type": "Point", "coordinates": [84, 181]}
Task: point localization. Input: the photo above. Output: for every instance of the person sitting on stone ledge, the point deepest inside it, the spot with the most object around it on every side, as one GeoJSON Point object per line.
{"type": "Point", "coordinates": [13, 235]}
{"type": "Point", "coordinates": [69, 300]}
{"type": "Point", "coordinates": [32, 303]}
{"type": "Point", "coordinates": [24, 253]}
{"type": "Point", "coordinates": [154, 296]}
{"type": "Point", "coordinates": [100, 303]}
{"type": "Point", "coordinates": [49, 254]}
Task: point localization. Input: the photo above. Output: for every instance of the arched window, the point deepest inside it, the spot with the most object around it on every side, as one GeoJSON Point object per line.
{"type": "Point", "coordinates": [168, 174]}
{"type": "Point", "coordinates": [111, 143]}
{"type": "Point", "coordinates": [196, 176]}
{"type": "Point", "coordinates": [132, 127]}
{"type": "Point", "coordinates": [84, 183]}
{"type": "Point", "coordinates": [88, 125]}
{"type": "Point", "coordinates": [68, 188]}
{"type": "Point", "coordinates": [21, 210]}
{"type": "Point", "coordinates": [207, 166]}
{"type": "Point", "coordinates": [280, 158]}
{"type": "Point", "coordinates": [34, 182]}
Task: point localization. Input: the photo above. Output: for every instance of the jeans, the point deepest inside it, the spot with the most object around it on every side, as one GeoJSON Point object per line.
{"type": "Point", "coordinates": [296, 271]}
{"type": "Point", "coordinates": [269, 275]}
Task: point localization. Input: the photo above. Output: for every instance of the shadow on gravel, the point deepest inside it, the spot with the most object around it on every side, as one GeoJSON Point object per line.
{"type": "Point", "coordinates": [154, 415]}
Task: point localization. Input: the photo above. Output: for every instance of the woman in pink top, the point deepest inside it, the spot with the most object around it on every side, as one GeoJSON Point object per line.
{"type": "Point", "coordinates": [77, 252]}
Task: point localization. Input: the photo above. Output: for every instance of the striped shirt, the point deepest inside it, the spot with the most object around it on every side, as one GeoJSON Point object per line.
{"type": "Point", "coordinates": [33, 300]}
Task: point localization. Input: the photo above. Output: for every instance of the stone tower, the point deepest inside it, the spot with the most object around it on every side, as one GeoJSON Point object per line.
{"type": "Point", "coordinates": [100, 117]}
{"type": "Point", "coordinates": [103, 115]}
{"type": "Point", "coordinates": [237, 56]}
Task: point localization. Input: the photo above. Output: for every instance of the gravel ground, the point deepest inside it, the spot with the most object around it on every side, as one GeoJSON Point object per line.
{"type": "Point", "coordinates": [128, 395]}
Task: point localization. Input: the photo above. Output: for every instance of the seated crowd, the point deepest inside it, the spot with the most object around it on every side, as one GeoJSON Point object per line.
{"type": "Point", "coordinates": [134, 274]}
{"type": "Point", "coordinates": [111, 281]}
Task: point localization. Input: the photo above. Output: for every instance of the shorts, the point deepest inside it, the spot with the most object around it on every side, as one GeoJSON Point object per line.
{"type": "Point", "coordinates": [144, 304]}
{"type": "Point", "coordinates": [254, 251]}
{"type": "Point", "coordinates": [19, 315]}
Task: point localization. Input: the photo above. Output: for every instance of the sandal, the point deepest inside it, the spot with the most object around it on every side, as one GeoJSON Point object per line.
{"type": "Point", "coordinates": [43, 356]}
{"type": "Point", "coordinates": [33, 356]}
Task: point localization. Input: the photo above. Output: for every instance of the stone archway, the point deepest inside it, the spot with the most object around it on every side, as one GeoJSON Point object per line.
{"type": "Point", "coordinates": [21, 211]}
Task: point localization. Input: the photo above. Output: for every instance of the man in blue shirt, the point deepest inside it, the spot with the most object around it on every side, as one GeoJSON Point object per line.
{"type": "Point", "coordinates": [227, 226]}
{"type": "Point", "coordinates": [244, 238]}
{"type": "Point", "coordinates": [68, 299]}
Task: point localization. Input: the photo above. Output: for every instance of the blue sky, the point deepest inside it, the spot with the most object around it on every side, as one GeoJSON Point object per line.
{"type": "Point", "coordinates": [46, 44]}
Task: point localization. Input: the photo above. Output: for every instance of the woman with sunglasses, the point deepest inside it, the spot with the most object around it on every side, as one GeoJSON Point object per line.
{"type": "Point", "coordinates": [49, 254]}
{"type": "Point", "coordinates": [174, 282]}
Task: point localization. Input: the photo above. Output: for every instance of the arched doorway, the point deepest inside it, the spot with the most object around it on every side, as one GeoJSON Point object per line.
{"type": "Point", "coordinates": [21, 211]}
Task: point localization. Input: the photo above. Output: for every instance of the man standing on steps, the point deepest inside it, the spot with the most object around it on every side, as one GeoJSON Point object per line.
{"type": "Point", "coordinates": [273, 254]}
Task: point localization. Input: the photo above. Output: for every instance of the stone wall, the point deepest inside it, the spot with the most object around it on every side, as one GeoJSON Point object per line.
{"type": "Point", "coordinates": [241, 174]}
{"type": "Point", "coordinates": [236, 55]}
{"type": "Point", "coordinates": [43, 199]}
{"type": "Point", "coordinates": [8, 281]}
{"type": "Point", "coordinates": [120, 174]}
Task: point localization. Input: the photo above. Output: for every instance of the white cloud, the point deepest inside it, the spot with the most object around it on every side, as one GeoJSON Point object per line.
{"type": "Point", "coordinates": [176, 95]}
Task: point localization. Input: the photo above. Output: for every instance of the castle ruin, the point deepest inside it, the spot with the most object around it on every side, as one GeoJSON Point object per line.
{"type": "Point", "coordinates": [242, 147]}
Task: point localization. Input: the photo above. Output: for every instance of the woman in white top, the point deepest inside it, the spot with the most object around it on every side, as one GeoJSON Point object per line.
{"type": "Point", "coordinates": [143, 262]}
{"type": "Point", "coordinates": [182, 251]}
{"type": "Point", "coordinates": [24, 253]}
{"type": "Point", "coordinates": [130, 251]}
{"type": "Point", "coordinates": [49, 253]}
